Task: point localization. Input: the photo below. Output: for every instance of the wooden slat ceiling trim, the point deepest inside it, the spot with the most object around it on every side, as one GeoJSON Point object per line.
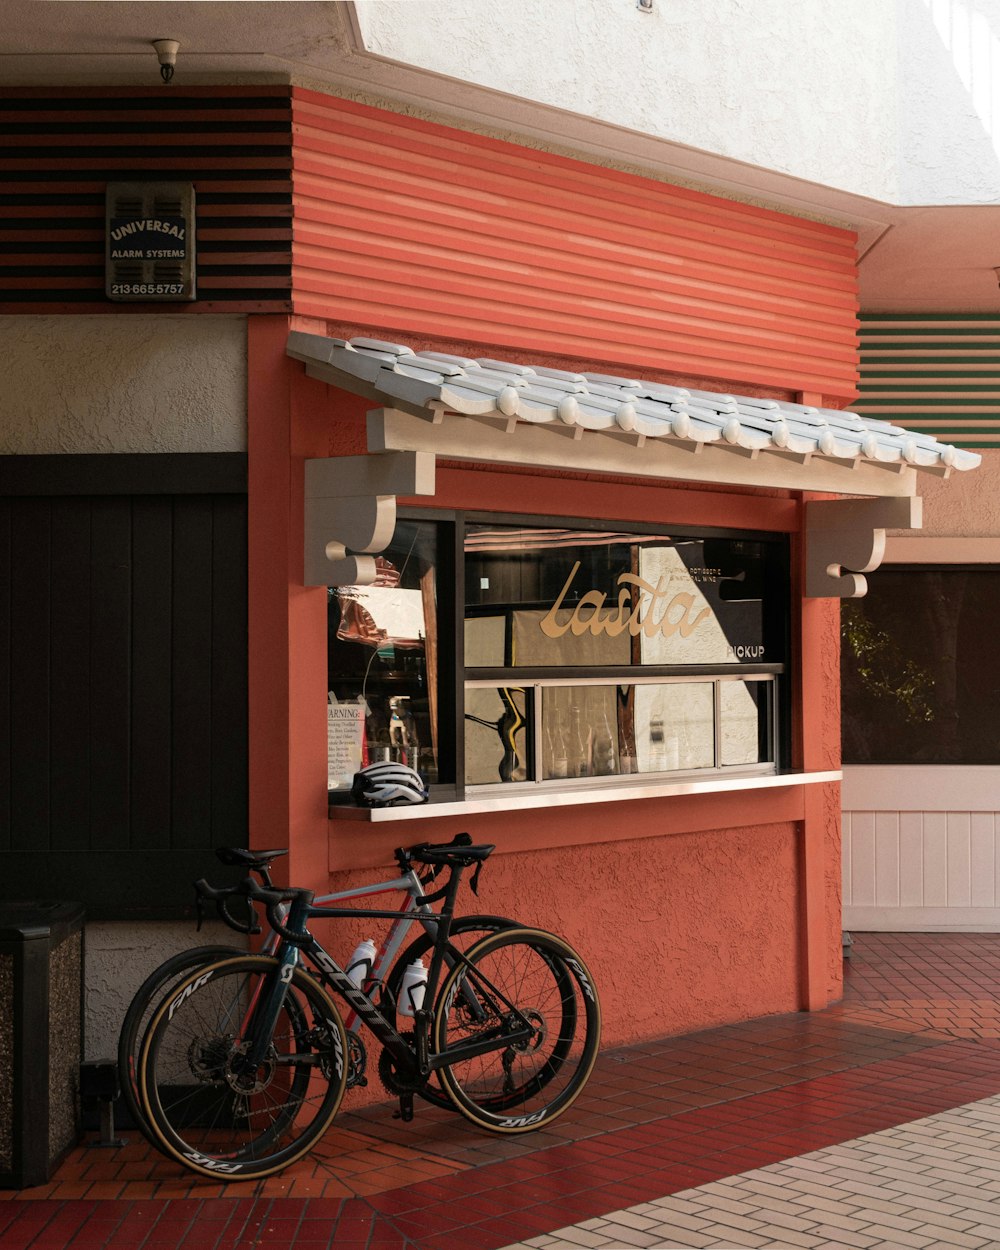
{"type": "Point", "coordinates": [938, 373]}
{"type": "Point", "coordinates": [59, 152]}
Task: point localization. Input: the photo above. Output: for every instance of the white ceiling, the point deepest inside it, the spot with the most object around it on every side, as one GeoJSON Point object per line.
{"type": "Point", "coordinates": [938, 259]}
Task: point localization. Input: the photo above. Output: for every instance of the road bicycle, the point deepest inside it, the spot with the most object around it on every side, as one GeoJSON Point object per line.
{"type": "Point", "coordinates": [385, 976]}
{"type": "Point", "coordinates": [244, 1063]}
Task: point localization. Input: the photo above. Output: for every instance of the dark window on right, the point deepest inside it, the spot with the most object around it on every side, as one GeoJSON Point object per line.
{"type": "Point", "coordinates": [920, 668]}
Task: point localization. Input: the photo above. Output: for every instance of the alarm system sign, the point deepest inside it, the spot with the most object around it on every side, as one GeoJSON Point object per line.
{"type": "Point", "coordinates": [150, 242]}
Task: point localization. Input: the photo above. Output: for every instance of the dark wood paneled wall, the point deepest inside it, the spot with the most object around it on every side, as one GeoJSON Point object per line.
{"type": "Point", "coordinates": [123, 661]}
{"type": "Point", "coordinates": [59, 151]}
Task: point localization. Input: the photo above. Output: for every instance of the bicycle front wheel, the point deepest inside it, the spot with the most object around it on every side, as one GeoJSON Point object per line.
{"type": "Point", "coordinates": [208, 1106]}
{"type": "Point", "coordinates": [141, 1010]}
{"type": "Point", "coordinates": [526, 1001]}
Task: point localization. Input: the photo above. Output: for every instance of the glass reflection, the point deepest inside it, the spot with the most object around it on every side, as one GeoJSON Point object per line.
{"type": "Point", "coordinates": [382, 661]}
{"type": "Point", "coordinates": [579, 732]}
{"type": "Point", "coordinates": [605, 731]}
{"type": "Point", "coordinates": [675, 727]}
{"type": "Point", "coordinates": [496, 735]}
{"type": "Point", "coordinates": [744, 710]}
{"type": "Point", "coordinates": [557, 598]}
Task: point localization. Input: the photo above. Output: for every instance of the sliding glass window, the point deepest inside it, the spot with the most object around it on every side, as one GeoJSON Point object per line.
{"type": "Point", "coordinates": [610, 654]}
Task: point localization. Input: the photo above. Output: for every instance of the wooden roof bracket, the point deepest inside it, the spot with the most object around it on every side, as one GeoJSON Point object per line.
{"type": "Point", "coordinates": [350, 511]}
{"type": "Point", "coordinates": [850, 535]}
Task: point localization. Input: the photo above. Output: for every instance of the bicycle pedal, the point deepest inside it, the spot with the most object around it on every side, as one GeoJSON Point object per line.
{"type": "Point", "coordinates": [405, 1112]}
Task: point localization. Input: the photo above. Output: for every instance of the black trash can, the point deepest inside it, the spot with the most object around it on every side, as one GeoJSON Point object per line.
{"type": "Point", "coordinates": [41, 1037]}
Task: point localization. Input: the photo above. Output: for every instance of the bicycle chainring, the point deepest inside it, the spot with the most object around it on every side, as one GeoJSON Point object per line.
{"type": "Point", "coordinates": [395, 1081]}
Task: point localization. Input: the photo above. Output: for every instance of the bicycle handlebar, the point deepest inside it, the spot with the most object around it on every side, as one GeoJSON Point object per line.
{"type": "Point", "coordinates": [271, 898]}
{"type": "Point", "coordinates": [220, 897]}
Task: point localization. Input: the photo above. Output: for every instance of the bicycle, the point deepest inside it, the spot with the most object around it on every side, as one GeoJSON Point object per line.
{"type": "Point", "coordinates": [388, 967]}
{"type": "Point", "coordinates": [244, 1064]}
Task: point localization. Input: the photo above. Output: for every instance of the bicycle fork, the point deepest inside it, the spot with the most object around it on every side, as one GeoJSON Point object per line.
{"type": "Point", "coordinates": [261, 1016]}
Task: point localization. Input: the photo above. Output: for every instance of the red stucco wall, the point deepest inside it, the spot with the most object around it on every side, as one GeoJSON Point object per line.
{"type": "Point", "coordinates": [692, 910]}
{"type": "Point", "coordinates": [681, 931]}
{"type": "Point", "coordinates": [411, 228]}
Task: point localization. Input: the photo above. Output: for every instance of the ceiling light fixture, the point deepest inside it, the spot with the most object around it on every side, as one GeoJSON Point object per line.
{"type": "Point", "coordinates": [166, 54]}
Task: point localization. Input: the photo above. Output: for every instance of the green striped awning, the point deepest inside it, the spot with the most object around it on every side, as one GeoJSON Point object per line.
{"type": "Point", "coordinates": [936, 373]}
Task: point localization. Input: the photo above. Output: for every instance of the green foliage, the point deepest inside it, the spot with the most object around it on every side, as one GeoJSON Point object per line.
{"type": "Point", "coordinates": [882, 668]}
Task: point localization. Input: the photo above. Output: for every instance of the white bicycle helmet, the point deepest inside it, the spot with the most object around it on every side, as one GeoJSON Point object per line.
{"type": "Point", "coordinates": [383, 785]}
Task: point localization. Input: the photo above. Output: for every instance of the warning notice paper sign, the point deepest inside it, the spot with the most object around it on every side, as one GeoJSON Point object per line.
{"type": "Point", "coordinates": [345, 735]}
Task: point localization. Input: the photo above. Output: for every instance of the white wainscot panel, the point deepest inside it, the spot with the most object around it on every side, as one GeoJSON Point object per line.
{"type": "Point", "coordinates": [959, 825]}
{"type": "Point", "coordinates": [982, 847]}
{"type": "Point", "coordinates": [921, 849]}
{"type": "Point", "coordinates": [886, 859]}
{"type": "Point", "coordinates": [863, 859]}
{"type": "Point", "coordinates": [935, 856]}
{"type": "Point", "coordinates": [911, 860]}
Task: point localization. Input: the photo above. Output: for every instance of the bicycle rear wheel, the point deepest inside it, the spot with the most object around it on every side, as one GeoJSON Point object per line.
{"type": "Point", "coordinates": [207, 1107]}
{"type": "Point", "coordinates": [465, 932]}
{"type": "Point", "coordinates": [141, 1010]}
{"type": "Point", "coordinates": [519, 978]}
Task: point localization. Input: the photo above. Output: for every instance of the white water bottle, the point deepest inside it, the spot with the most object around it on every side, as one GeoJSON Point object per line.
{"type": "Point", "coordinates": [359, 969]}
{"type": "Point", "coordinates": [411, 992]}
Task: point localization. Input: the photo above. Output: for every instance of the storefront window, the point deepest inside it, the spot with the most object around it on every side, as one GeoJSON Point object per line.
{"type": "Point", "coordinates": [920, 679]}
{"type": "Point", "coordinates": [588, 653]}
{"type": "Point", "coordinates": [565, 598]}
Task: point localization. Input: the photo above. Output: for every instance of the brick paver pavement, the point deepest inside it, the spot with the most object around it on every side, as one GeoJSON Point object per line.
{"type": "Point", "coordinates": [694, 1137]}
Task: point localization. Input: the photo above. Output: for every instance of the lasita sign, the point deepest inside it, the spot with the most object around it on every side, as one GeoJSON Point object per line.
{"type": "Point", "coordinates": [680, 613]}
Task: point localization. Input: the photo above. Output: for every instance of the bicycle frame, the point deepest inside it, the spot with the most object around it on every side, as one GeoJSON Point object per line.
{"type": "Point", "coordinates": [362, 1007]}
{"type": "Point", "coordinates": [414, 910]}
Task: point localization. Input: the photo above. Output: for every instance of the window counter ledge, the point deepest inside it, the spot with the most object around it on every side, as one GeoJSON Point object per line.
{"type": "Point", "coordinates": [588, 795]}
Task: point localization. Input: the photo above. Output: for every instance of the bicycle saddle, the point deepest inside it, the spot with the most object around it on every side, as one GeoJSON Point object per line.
{"type": "Point", "coordinates": [236, 857]}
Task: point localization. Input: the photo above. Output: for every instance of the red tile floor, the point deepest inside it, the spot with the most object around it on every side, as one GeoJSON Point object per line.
{"type": "Point", "coordinates": [918, 1032]}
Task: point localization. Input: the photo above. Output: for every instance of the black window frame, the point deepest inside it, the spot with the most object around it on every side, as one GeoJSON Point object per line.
{"type": "Point", "coordinates": [451, 608]}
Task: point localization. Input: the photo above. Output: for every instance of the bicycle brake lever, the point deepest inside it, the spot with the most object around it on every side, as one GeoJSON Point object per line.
{"type": "Point", "coordinates": [199, 909]}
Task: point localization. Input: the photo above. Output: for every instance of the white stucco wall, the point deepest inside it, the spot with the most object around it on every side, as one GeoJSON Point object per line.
{"type": "Point", "coordinates": [119, 957]}
{"type": "Point", "coordinates": [949, 101]}
{"type": "Point", "coordinates": [896, 100]}
{"type": "Point", "coordinates": [801, 88]}
{"type": "Point", "coordinates": [76, 384]}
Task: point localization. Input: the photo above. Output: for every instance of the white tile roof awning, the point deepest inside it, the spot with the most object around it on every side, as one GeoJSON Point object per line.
{"type": "Point", "coordinates": [491, 410]}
